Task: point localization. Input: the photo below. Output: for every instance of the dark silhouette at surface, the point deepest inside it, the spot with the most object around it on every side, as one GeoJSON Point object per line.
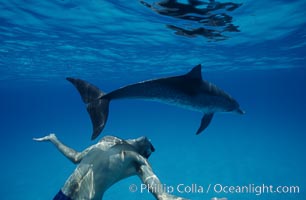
{"type": "Point", "coordinates": [207, 19]}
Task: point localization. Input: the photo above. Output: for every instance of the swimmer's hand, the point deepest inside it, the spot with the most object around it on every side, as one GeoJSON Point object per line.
{"type": "Point", "coordinates": [50, 137]}
{"type": "Point", "coordinates": [167, 196]}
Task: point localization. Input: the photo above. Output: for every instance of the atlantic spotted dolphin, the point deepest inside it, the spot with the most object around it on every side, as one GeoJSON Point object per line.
{"type": "Point", "coordinates": [189, 91]}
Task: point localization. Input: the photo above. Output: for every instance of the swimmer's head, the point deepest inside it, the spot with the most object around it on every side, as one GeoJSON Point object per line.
{"type": "Point", "coordinates": [143, 146]}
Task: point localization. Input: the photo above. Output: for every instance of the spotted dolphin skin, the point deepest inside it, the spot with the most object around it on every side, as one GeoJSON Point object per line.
{"type": "Point", "coordinates": [189, 91]}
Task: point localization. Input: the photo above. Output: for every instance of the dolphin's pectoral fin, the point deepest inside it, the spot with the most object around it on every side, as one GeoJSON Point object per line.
{"type": "Point", "coordinates": [205, 122]}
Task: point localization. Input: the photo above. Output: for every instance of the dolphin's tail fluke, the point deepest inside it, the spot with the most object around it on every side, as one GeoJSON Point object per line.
{"type": "Point", "coordinates": [97, 106]}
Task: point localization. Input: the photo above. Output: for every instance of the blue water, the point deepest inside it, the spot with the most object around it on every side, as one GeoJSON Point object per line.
{"type": "Point", "coordinates": [114, 43]}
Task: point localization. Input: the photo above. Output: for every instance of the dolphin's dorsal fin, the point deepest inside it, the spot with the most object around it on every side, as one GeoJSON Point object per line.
{"type": "Point", "coordinates": [195, 73]}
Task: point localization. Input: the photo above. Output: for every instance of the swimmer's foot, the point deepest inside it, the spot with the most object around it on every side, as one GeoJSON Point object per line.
{"type": "Point", "coordinates": [50, 137]}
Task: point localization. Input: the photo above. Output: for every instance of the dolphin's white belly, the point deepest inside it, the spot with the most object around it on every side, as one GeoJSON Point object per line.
{"type": "Point", "coordinates": [200, 103]}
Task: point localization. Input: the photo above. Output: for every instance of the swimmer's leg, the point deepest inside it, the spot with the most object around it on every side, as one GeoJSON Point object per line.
{"type": "Point", "coordinates": [68, 152]}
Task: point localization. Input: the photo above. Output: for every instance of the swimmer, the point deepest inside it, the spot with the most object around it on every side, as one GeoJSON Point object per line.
{"type": "Point", "coordinates": [105, 163]}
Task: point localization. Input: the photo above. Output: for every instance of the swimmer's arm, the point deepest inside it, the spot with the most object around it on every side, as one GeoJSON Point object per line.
{"type": "Point", "coordinates": [68, 152]}
{"type": "Point", "coordinates": [152, 182]}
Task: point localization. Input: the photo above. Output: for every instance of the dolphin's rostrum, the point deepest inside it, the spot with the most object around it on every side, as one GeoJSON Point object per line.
{"type": "Point", "coordinates": [188, 90]}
